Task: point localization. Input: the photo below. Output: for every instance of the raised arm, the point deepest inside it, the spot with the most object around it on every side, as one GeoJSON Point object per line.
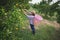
{"type": "Point", "coordinates": [25, 12]}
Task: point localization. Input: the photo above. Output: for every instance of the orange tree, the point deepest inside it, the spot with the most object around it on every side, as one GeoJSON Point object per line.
{"type": "Point", "coordinates": [11, 17]}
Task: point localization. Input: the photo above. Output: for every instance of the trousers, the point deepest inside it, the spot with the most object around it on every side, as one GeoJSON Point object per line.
{"type": "Point", "coordinates": [33, 29]}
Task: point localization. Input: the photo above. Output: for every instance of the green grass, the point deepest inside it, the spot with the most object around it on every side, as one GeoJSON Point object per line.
{"type": "Point", "coordinates": [44, 33]}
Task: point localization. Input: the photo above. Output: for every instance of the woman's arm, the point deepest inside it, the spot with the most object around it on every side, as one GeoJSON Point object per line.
{"type": "Point", "coordinates": [25, 12]}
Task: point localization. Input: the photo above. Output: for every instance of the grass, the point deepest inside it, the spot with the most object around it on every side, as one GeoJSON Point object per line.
{"type": "Point", "coordinates": [43, 33]}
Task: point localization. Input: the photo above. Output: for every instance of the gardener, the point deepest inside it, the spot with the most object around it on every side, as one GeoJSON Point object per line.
{"type": "Point", "coordinates": [31, 17]}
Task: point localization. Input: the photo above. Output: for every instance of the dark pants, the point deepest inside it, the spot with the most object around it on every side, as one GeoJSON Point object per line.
{"type": "Point", "coordinates": [33, 29]}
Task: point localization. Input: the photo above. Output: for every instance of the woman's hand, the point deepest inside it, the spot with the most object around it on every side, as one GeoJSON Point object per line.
{"type": "Point", "coordinates": [25, 10]}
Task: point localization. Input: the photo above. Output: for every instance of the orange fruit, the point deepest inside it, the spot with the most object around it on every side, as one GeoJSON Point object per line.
{"type": "Point", "coordinates": [16, 28]}
{"type": "Point", "coordinates": [23, 28]}
{"type": "Point", "coordinates": [17, 4]}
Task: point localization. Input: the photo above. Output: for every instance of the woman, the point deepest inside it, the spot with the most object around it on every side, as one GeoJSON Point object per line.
{"type": "Point", "coordinates": [31, 17]}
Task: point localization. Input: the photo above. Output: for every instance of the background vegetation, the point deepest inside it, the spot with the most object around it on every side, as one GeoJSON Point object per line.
{"type": "Point", "coordinates": [14, 24]}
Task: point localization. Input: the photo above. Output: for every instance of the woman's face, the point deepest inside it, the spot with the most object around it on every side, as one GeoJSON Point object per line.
{"type": "Point", "coordinates": [31, 13]}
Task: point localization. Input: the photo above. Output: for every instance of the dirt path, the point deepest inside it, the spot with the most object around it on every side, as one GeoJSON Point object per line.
{"type": "Point", "coordinates": [47, 22]}
{"type": "Point", "coordinates": [51, 23]}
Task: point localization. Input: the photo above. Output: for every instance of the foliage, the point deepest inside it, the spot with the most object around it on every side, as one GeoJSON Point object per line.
{"type": "Point", "coordinates": [13, 22]}
{"type": "Point", "coordinates": [11, 17]}
{"type": "Point", "coordinates": [8, 4]}
{"type": "Point", "coordinates": [48, 10]}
